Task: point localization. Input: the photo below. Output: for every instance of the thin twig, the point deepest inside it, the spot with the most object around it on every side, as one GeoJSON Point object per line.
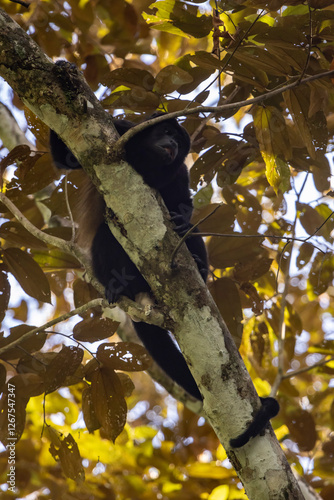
{"type": "Point", "coordinates": [79, 310]}
{"type": "Point", "coordinates": [41, 235]}
{"type": "Point", "coordinates": [69, 210]}
{"type": "Point", "coordinates": [191, 230]}
{"type": "Point", "coordinates": [269, 236]}
{"type": "Point", "coordinates": [120, 143]}
{"type": "Point", "coordinates": [307, 368]}
{"type": "Point", "coordinates": [309, 42]}
{"type": "Point", "coordinates": [21, 2]}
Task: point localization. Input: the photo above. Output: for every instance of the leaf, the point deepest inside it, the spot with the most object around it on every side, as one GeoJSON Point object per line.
{"type": "Point", "coordinates": [109, 403]}
{"type": "Point", "coordinates": [272, 136]}
{"type": "Point", "coordinates": [63, 365]}
{"type": "Point", "coordinates": [322, 273]}
{"type": "Point", "coordinates": [302, 429]}
{"type": "Point", "coordinates": [83, 292]}
{"type": "Point", "coordinates": [248, 208]}
{"type": "Point", "coordinates": [204, 60]}
{"type": "Point", "coordinates": [176, 18]}
{"type": "Point", "coordinates": [28, 273]}
{"type": "Point", "coordinates": [304, 255]}
{"type": "Point", "coordinates": [15, 234]}
{"type": "Point", "coordinates": [252, 270]}
{"type": "Point", "coordinates": [127, 356]}
{"type": "Point", "coordinates": [32, 344]}
{"type": "Point", "coordinates": [128, 99]}
{"type": "Point", "coordinates": [198, 75]}
{"type": "Point", "coordinates": [312, 220]}
{"type": "Point", "coordinates": [27, 385]}
{"type": "Point", "coordinates": [4, 292]}
{"type": "Point", "coordinates": [65, 450]}
{"type": "Point", "coordinates": [16, 155]}
{"type": "Point", "coordinates": [170, 79]}
{"type": "Point", "coordinates": [226, 295]}
{"type": "Point", "coordinates": [88, 411]}
{"type": "Point", "coordinates": [55, 259]}
{"type": "Point", "coordinates": [127, 384]}
{"type": "Point", "coordinates": [250, 298]}
{"type": "Point", "coordinates": [94, 328]}
{"type": "Point", "coordinates": [228, 251]}
{"type": "Point", "coordinates": [3, 374]}
{"type": "Point", "coordinates": [130, 77]}
{"type": "Point", "coordinates": [221, 221]}
{"type": "Point", "coordinates": [277, 172]}
{"type": "Point", "coordinates": [39, 175]}
{"type": "Point", "coordinates": [298, 104]}
{"type": "Point", "coordinates": [13, 412]}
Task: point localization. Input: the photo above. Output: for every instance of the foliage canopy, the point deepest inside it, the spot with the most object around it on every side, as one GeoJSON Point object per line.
{"type": "Point", "coordinates": [272, 263]}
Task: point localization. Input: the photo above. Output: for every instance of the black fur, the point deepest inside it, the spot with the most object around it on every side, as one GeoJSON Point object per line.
{"type": "Point", "coordinates": [158, 154]}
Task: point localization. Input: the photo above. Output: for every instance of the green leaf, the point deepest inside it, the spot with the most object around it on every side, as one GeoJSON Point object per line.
{"type": "Point", "coordinates": [277, 172]}
{"type": "Point", "coordinates": [274, 145]}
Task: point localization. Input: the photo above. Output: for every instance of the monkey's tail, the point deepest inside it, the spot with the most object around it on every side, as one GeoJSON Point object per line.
{"type": "Point", "coordinates": [167, 354]}
{"type": "Point", "coordinates": [268, 410]}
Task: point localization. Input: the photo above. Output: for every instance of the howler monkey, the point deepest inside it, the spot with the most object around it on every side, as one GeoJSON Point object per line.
{"type": "Point", "coordinates": [157, 153]}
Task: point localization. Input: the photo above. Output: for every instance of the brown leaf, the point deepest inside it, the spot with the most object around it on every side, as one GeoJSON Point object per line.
{"type": "Point", "coordinates": [32, 344]}
{"type": "Point", "coordinates": [310, 219]}
{"type": "Point", "coordinates": [39, 175]}
{"type": "Point", "coordinates": [251, 298]}
{"type": "Point", "coordinates": [126, 99]}
{"type": "Point", "coordinates": [130, 77]}
{"type": "Point", "coordinates": [170, 78]}
{"type": "Point", "coordinates": [15, 234]}
{"type": "Point", "coordinates": [127, 356]}
{"type": "Point", "coordinates": [322, 273]}
{"type": "Point", "coordinates": [12, 416]}
{"type": "Point", "coordinates": [127, 385]}
{"type": "Point", "coordinates": [302, 429]}
{"type": "Point", "coordinates": [36, 363]}
{"type": "Point", "coordinates": [94, 328]}
{"type": "Point", "coordinates": [259, 340]}
{"type": "Point", "coordinates": [252, 270]}
{"type": "Point", "coordinates": [27, 385]}
{"type": "Point", "coordinates": [227, 298]}
{"type": "Point", "coordinates": [83, 292]}
{"type": "Point", "coordinates": [17, 154]}
{"type": "Point", "coordinates": [304, 255]}
{"type": "Point", "coordinates": [65, 450]}
{"type": "Point", "coordinates": [297, 101]}
{"type": "Point", "coordinates": [108, 401]}
{"type": "Point", "coordinates": [229, 251]}
{"type": "Point", "coordinates": [249, 210]}
{"type": "Point", "coordinates": [63, 365]}
{"type": "Point", "coordinates": [3, 375]}
{"type": "Point", "coordinates": [219, 222]}
{"type": "Point", "coordinates": [4, 292]}
{"type": "Point", "coordinates": [28, 273]}
{"type": "Point", "coordinates": [88, 410]}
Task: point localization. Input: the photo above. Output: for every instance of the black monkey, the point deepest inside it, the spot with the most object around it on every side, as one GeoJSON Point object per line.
{"type": "Point", "coordinates": [157, 153]}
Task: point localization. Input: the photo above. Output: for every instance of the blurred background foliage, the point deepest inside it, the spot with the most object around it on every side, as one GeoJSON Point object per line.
{"type": "Point", "coordinates": [272, 270]}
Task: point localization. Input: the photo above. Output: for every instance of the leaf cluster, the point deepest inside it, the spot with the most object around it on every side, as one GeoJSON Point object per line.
{"type": "Point", "coordinates": [270, 244]}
